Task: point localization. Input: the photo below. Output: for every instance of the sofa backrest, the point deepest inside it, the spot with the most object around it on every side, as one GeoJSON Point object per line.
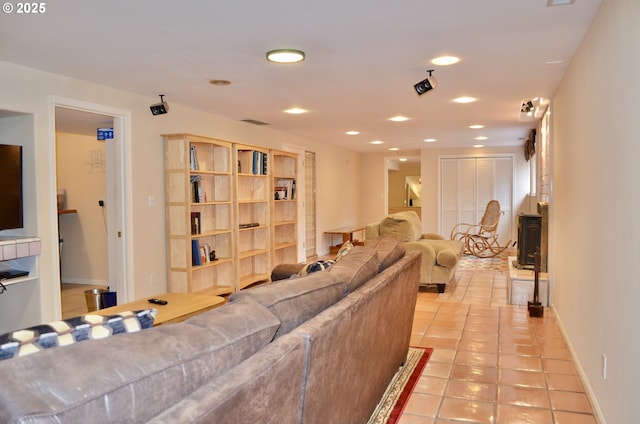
{"type": "Point", "coordinates": [131, 377]}
{"type": "Point", "coordinates": [404, 225]}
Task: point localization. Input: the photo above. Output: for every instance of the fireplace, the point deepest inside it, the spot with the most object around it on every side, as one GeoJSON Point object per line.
{"type": "Point", "coordinates": [532, 235]}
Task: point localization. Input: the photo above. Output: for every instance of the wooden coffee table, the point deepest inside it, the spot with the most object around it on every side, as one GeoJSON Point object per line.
{"type": "Point", "coordinates": [179, 307]}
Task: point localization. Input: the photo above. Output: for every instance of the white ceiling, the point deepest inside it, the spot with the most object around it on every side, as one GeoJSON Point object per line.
{"type": "Point", "coordinates": [363, 58]}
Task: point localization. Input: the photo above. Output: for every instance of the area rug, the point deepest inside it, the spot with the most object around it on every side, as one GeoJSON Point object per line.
{"type": "Point", "coordinates": [400, 388]}
{"type": "Point", "coordinates": [498, 263]}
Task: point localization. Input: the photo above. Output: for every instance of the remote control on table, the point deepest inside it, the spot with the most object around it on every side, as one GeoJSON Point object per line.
{"type": "Point", "coordinates": [158, 301]}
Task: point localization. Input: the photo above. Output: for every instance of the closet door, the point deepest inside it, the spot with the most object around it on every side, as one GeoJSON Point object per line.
{"type": "Point", "coordinates": [467, 185]}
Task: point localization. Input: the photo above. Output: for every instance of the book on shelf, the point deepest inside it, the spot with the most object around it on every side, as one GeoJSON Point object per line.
{"type": "Point", "coordinates": [196, 227]}
{"type": "Point", "coordinates": [193, 159]}
{"type": "Point", "coordinates": [196, 260]}
{"type": "Point", "coordinates": [249, 225]}
{"type": "Point", "coordinates": [252, 162]}
{"type": "Point", "coordinates": [197, 193]}
{"type": "Point", "coordinates": [204, 256]}
{"type": "Point", "coordinates": [286, 189]}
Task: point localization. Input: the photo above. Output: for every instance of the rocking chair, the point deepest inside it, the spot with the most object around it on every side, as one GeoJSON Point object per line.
{"type": "Point", "coordinates": [481, 239]}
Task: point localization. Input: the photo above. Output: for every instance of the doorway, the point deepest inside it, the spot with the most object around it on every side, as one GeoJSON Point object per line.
{"type": "Point", "coordinates": [92, 174]}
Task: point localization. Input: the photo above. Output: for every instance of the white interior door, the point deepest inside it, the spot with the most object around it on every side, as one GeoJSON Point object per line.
{"type": "Point", "coordinates": [468, 184]}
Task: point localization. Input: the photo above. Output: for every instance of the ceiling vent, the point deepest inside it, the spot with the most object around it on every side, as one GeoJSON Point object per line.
{"type": "Point", "coordinates": [254, 122]}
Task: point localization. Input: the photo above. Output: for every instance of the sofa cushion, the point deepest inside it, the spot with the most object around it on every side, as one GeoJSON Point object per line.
{"type": "Point", "coordinates": [132, 377]}
{"type": "Point", "coordinates": [358, 267]}
{"type": "Point", "coordinates": [403, 225]}
{"type": "Point", "coordinates": [295, 301]}
{"type": "Point", "coordinates": [65, 332]}
{"type": "Point", "coordinates": [389, 250]}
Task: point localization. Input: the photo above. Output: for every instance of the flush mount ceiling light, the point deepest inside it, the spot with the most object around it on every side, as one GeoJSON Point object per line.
{"type": "Point", "coordinates": [285, 56]}
{"type": "Point", "coordinates": [160, 108]}
{"type": "Point", "coordinates": [445, 60]}
{"type": "Point", "coordinates": [426, 84]}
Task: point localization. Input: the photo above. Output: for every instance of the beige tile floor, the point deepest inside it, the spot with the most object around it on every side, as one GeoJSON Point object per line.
{"type": "Point", "coordinates": [492, 363]}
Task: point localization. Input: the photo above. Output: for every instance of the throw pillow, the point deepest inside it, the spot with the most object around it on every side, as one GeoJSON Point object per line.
{"type": "Point", "coordinates": [61, 333]}
{"type": "Point", "coordinates": [344, 250]}
{"type": "Point", "coordinates": [316, 266]}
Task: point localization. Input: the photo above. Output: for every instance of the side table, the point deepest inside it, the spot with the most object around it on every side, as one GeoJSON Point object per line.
{"type": "Point", "coordinates": [347, 235]}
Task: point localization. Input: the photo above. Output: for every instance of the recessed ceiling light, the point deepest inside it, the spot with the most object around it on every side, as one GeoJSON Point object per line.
{"type": "Point", "coordinates": [476, 126]}
{"type": "Point", "coordinates": [219, 82]}
{"type": "Point", "coordinates": [377, 142]}
{"type": "Point", "coordinates": [394, 149]}
{"type": "Point", "coordinates": [429, 140]}
{"type": "Point", "coordinates": [481, 138]}
{"type": "Point", "coordinates": [560, 2]}
{"type": "Point", "coordinates": [295, 111]}
{"type": "Point", "coordinates": [352, 132]}
{"type": "Point", "coordinates": [445, 60]}
{"type": "Point", "coordinates": [465, 99]}
{"type": "Point", "coordinates": [402, 159]}
{"type": "Point", "coordinates": [554, 62]}
{"type": "Point", "coordinates": [285, 56]}
{"type": "Point", "coordinates": [477, 146]}
{"type": "Point", "coordinates": [398, 118]}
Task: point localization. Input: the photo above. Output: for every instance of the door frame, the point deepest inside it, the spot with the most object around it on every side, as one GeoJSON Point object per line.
{"type": "Point", "coordinates": [119, 219]}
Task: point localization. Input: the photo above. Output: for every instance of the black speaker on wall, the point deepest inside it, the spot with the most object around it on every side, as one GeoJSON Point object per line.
{"type": "Point", "coordinates": [529, 239]}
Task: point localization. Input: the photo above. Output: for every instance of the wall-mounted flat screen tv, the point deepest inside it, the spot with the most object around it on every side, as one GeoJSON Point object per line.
{"type": "Point", "coordinates": [10, 187]}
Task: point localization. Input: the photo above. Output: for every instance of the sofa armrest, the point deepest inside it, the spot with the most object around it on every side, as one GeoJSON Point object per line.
{"type": "Point", "coordinates": [428, 252]}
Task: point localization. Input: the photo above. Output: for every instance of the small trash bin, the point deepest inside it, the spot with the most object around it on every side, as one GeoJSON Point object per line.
{"type": "Point", "coordinates": [109, 299]}
{"type": "Point", "coordinates": [94, 299]}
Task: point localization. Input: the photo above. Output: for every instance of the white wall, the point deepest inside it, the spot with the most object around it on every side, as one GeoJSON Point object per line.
{"type": "Point", "coordinates": [29, 91]}
{"type": "Point", "coordinates": [595, 243]}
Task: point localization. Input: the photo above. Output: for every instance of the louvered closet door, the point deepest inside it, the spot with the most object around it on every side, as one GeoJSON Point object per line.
{"type": "Point", "coordinates": [467, 185]}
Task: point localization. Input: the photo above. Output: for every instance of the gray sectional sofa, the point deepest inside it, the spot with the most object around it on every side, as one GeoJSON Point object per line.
{"type": "Point", "coordinates": [317, 349]}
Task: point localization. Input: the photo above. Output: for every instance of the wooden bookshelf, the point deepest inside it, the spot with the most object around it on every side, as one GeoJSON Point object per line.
{"type": "Point", "coordinates": [253, 191]}
{"type": "Point", "coordinates": [285, 207]}
{"type": "Point", "coordinates": [190, 158]}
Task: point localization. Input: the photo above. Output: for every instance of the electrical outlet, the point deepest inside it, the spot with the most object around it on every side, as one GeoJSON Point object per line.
{"type": "Point", "coordinates": [101, 203]}
{"type": "Point", "coordinates": [152, 279]}
{"type": "Point", "coordinates": [151, 201]}
{"type": "Point", "coordinates": [604, 366]}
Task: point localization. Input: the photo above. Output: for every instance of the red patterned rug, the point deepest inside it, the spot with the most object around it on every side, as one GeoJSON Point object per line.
{"type": "Point", "coordinates": [393, 401]}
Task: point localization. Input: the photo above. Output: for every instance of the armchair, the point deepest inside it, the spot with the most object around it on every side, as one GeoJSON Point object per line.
{"type": "Point", "coordinates": [439, 256]}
